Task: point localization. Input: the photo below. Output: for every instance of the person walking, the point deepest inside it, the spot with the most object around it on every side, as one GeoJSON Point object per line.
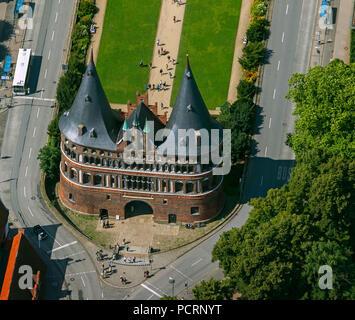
{"type": "Point", "coordinates": [141, 63]}
{"type": "Point", "coordinates": [161, 71]}
{"type": "Point", "coordinates": [157, 42]}
{"type": "Point", "coordinates": [170, 75]}
{"type": "Point", "coordinates": [174, 19]}
{"type": "Point", "coordinates": [168, 58]}
{"type": "Point", "coordinates": [173, 61]}
{"type": "Point", "coordinates": [150, 66]}
{"type": "Point", "coordinates": [159, 52]}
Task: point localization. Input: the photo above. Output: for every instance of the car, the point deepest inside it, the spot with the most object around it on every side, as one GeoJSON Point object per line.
{"type": "Point", "coordinates": [39, 231]}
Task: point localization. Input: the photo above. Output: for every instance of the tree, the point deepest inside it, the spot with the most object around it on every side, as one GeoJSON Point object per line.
{"type": "Point", "coordinates": [258, 30]}
{"type": "Point", "coordinates": [246, 90]}
{"type": "Point", "coordinates": [253, 55]}
{"type": "Point", "coordinates": [325, 104]}
{"type": "Point", "coordinates": [49, 157]}
{"type": "Point", "coordinates": [294, 230]}
{"type": "Point", "coordinates": [214, 290]}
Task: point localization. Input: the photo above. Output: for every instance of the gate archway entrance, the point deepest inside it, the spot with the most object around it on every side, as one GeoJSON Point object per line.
{"type": "Point", "coordinates": [137, 208]}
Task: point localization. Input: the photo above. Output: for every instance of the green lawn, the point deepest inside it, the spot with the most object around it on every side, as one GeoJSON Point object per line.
{"type": "Point", "coordinates": [128, 36]}
{"type": "Point", "coordinates": [208, 36]}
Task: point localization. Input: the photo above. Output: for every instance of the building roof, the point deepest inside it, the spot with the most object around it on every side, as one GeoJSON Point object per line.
{"type": "Point", "coordinates": [139, 117]}
{"type": "Point", "coordinates": [190, 111]}
{"type": "Point", "coordinates": [92, 111]}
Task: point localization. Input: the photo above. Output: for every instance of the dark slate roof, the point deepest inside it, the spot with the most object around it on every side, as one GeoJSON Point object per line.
{"type": "Point", "coordinates": [141, 114]}
{"type": "Point", "coordinates": [92, 110]}
{"type": "Point", "coordinates": [190, 111]}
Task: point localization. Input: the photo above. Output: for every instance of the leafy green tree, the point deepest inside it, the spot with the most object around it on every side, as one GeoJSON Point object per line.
{"type": "Point", "coordinates": [49, 157]}
{"type": "Point", "coordinates": [214, 290]}
{"type": "Point", "coordinates": [54, 132]}
{"type": "Point", "coordinates": [293, 231]}
{"type": "Point", "coordinates": [86, 8]}
{"type": "Point", "coordinates": [258, 30]}
{"type": "Point", "coordinates": [253, 55]}
{"type": "Point", "coordinates": [68, 86]}
{"type": "Point", "coordinates": [246, 90]}
{"type": "Point", "coordinates": [325, 104]}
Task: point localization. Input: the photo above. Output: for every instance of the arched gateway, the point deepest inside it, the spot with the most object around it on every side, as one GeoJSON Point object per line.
{"type": "Point", "coordinates": [137, 208]}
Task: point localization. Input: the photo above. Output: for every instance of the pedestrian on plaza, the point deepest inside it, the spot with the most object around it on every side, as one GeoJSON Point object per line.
{"type": "Point", "coordinates": [170, 75]}
{"type": "Point", "coordinates": [124, 259]}
{"type": "Point", "coordinates": [149, 86]}
{"type": "Point", "coordinates": [174, 19]}
{"type": "Point", "coordinates": [145, 87]}
{"type": "Point", "coordinates": [157, 42]}
{"type": "Point", "coordinates": [158, 87]}
{"type": "Point", "coordinates": [162, 51]}
{"type": "Point", "coordinates": [168, 58]}
{"type": "Point", "coordinates": [127, 247]}
{"type": "Point", "coordinates": [153, 86]}
{"type": "Point", "coordinates": [141, 63]}
{"type": "Point", "coordinates": [161, 71]}
{"type": "Point", "coordinates": [124, 241]}
{"type": "Point", "coordinates": [159, 52]}
{"type": "Point", "coordinates": [164, 83]}
{"type": "Point", "coordinates": [173, 61]}
{"type": "Point", "coordinates": [161, 82]}
{"type": "Point", "coordinates": [150, 66]}
{"type": "Point", "coordinates": [134, 259]}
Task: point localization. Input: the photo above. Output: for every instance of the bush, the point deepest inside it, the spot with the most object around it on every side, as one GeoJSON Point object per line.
{"type": "Point", "coordinates": [352, 49]}
{"type": "Point", "coordinates": [258, 30]}
{"type": "Point", "coordinates": [259, 8]}
{"type": "Point", "coordinates": [253, 55]}
{"type": "Point", "coordinates": [246, 90]}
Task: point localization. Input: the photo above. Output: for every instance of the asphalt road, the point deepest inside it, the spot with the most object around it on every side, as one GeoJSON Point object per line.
{"type": "Point", "coordinates": [71, 274]}
{"type": "Point", "coordinates": [289, 44]}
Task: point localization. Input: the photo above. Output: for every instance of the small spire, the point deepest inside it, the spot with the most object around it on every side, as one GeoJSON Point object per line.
{"type": "Point", "coordinates": [187, 62]}
{"type": "Point", "coordinates": [125, 125]}
{"type": "Point", "coordinates": [135, 122]}
{"type": "Point", "coordinates": [146, 129]}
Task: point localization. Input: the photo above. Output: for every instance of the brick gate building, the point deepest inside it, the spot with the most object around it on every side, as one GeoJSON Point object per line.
{"type": "Point", "coordinates": [97, 178]}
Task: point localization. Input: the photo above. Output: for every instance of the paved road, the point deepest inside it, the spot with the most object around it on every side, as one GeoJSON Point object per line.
{"type": "Point", "coordinates": [290, 40]}
{"type": "Point", "coordinates": [70, 272]}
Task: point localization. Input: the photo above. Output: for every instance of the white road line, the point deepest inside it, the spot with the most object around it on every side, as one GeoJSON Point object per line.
{"type": "Point", "coordinates": [270, 123]}
{"type": "Point", "coordinates": [26, 171]}
{"type": "Point", "coordinates": [199, 260]}
{"type": "Point", "coordinates": [35, 98]}
{"type": "Point", "coordinates": [274, 95]}
{"type": "Point", "coordinates": [265, 151]}
{"type": "Point", "coordinates": [82, 280]}
{"type": "Point", "coordinates": [34, 131]}
{"type": "Point", "coordinates": [49, 54]}
{"type": "Point", "coordinates": [24, 191]}
{"type": "Point", "coordinates": [74, 254]}
{"type": "Point", "coordinates": [37, 113]}
{"type": "Point", "coordinates": [64, 246]}
{"type": "Point", "coordinates": [151, 297]}
{"type": "Point", "coordinates": [30, 211]}
{"type": "Point", "coordinates": [178, 271]}
{"type": "Point", "coordinates": [56, 17]}
{"type": "Point", "coordinates": [286, 9]}
{"type": "Point", "coordinates": [29, 156]}
{"type": "Point", "coordinates": [79, 273]}
{"type": "Point", "coordinates": [151, 290]}
{"type": "Point", "coordinates": [45, 74]}
{"type": "Point", "coordinates": [102, 295]}
{"type": "Point", "coordinates": [278, 66]}
{"type": "Point", "coordinates": [262, 179]}
{"type": "Point", "coordinates": [283, 36]}
{"type": "Point", "coordinates": [53, 35]}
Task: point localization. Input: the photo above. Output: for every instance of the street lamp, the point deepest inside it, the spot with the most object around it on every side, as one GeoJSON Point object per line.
{"type": "Point", "coordinates": [172, 281]}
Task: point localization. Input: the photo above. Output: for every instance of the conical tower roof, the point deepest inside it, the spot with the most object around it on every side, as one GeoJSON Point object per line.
{"type": "Point", "coordinates": [92, 112]}
{"type": "Point", "coordinates": [190, 111]}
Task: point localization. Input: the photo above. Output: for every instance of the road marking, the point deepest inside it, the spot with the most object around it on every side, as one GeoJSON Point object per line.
{"type": "Point", "coordinates": [82, 280]}
{"type": "Point", "coordinates": [26, 171]}
{"type": "Point", "coordinates": [151, 297]}
{"type": "Point", "coordinates": [24, 191]}
{"type": "Point", "coordinates": [274, 95]}
{"type": "Point", "coordinates": [265, 151]}
{"type": "Point", "coordinates": [151, 290]}
{"type": "Point", "coordinates": [283, 36]}
{"type": "Point", "coordinates": [79, 273]}
{"type": "Point", "coordinates": [278, 66]}
{"type": "Point", "coordinates": [61, 247]}
{"type": "Point", "coordinates": [262, 179]}
{"type": "Point", "coordinates": [45, 74]}
{"type": "Point", "coordinates": [37, 112]}
{"type": "Point", "coordinates": [286, 9]}
{"type": "Point", "coordinates": [30, 211]}
{"type": "Point", "coordinates": [35, 98]}
{"type": "Point", "coordinates": [199, 260]}
{"type": "Point", "coordinates": [53, 35]}
{"type": "Point", "coordinates": [270, 123]}
{"type": "Point", "coordinates": [34, 132]}
{"type": "Point", "coordinates": [178, 271]}
{"type": "Point", "coordinates": [49, 54]}
{"type": "Point", "coordinates": [29, 156]}
{"type": "Point", "coordinates": [56, 17]}
{"type": "Point", "coordinates": [74, 254]}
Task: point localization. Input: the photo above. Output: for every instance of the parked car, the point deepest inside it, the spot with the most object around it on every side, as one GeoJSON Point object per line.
{"type": "Point", "coordinates": [39, 231]}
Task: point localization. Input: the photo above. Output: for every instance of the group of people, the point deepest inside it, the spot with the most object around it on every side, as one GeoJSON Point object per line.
{"type": "Point", "coordinates": [161, 86]}
{"type": "Point", "coordinates": [105, 223]}
{"type": "Point", "coordinates": [129, 260]}
{"type": "Point", "coordinates": [123, 280]}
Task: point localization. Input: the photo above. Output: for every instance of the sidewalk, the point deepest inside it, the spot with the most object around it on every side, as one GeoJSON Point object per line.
{"type": "Point", "coordinates": [237, 70]}
{"type": "Point", "coordinates": [168, 34]}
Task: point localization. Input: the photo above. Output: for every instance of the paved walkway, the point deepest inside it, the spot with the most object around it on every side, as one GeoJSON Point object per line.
{"type": "Point", "coordinates": [237, 70]}
{"type": "Point", "coordinates": [343, 31]}
{"type": "Point", "coordinates": [168, 34]}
